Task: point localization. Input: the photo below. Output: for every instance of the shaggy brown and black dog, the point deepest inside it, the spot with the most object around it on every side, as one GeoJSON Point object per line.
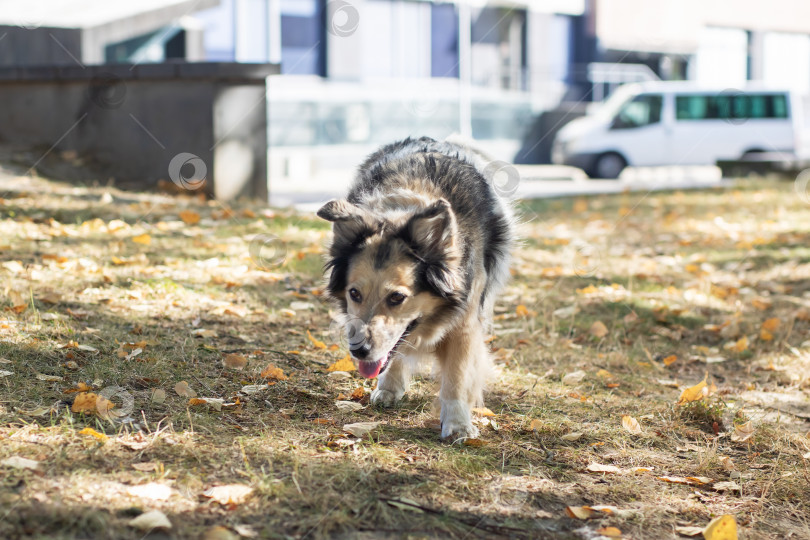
{"type": "Point", "coordinates": [420, 251]}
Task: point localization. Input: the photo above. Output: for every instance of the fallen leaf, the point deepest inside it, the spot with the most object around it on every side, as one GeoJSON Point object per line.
{"type": "Point", "coordinates": [234, 361]}
{"type": "Point", "coordinates": [669, 360]}
{"type": "Point", "coordinates": [4, 373]}
{"type": "Point", "coordinates": [693, 393]}
{"type": "Point", "coordinates": [631, 424]}
{"type": "Point", "coordinates": [344, 364]}
{"type": "Point", "coordinates": [158, 396]}
{"type": "Point", "coordinates": [573, 378]}
{"type": "Point", "coordinates": [599, 468]}
{"type": "Point", "coordinates": [573, 436]}
{"type": "Point", "coordinates": [154, 519]}
{"type": "Point", "coordinates": [483, 411]}
{"type": "Point", "coordinates": [230, 494]}
{"type": "Point", "coordinates": [273, 373]}
{"type": "Point", "coordinates": [721, 528]}
{"type": "Point", "coordinates": [742, 432]}
{"type": "Point", "coordinates": [475, 443]}
{"type": "Point", "coordinates": [48, 378]}
{"type": "Point", "coordinates": [771, 325]}
{"type": "Point", "coordinates": [360, 429]}
{"type": "Point", "coordinates": [610, 532]}
{"type": "Point", "coordinates": [761, 304]}
{"type": "Point", "coordinates": [146, 466]}
{"type": "Point", "coordinates": [689, 531]}
{"type": "Point", "coordinates": [536, 424]}
{"type": "Point", "coordinates": [152, 490]}
{"type": "Point", "coordinates": [80, 387]}
{"type": "Point", "coordinates": [18, 462]}
{"type": "Point", "coordinates": [348, 406]}
{"type": "Point", "coordinates": [189, 217]}
{"type": "Point", "coordinates": [726, 486]}
{"type": "Point", "coordinates": [522, 311]}
{"type": "Point", "coordinates": [598, 329]}
{"type": "Point", "coordinates": [95, 434]}
{"type": "Point", "coordinates": [218, 532]}
{"type": "Point", "coordinates": [316, 343]}
{"type": "Point", "coordinates": [213, 403]}
{"type": "Point", "coordinates": [184, 390]}
{"type": "Point", "coordinates": [143, 239]}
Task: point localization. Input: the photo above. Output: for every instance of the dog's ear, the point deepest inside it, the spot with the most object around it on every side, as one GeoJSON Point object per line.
{"type": "Point", "coordinates": [350, 223]}
{"type": "Point", "coordinates": [433, 235]}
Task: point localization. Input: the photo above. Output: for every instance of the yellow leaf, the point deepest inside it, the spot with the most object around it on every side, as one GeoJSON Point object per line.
{"type": "Point", "coordinates": [764, 335]}
{"type": "Point", "coordinates": [317, 344]}
{"type": "Point", "coordinates": [143, 239]}
{"type": "Point", "coordinates": [669, 360]}
{"type": "Point", "coordinates": [693, 393]}
{"type": "Point", "coordinates": [590, 289]}
{"type": "Point", "coordinates": [476, 443]}
{"type": "Point", "coordinates": [610, 532]}
{"type": "Point", "coordinates": [536, 424]}
{"type": "Point", "coordinates": [190, 217]}
{"type": "Point", "coordinates": [197, 401]}
{"type": "Point", "coordinates": [522, 311]}
{"type": "Point", "coordinates": [344, 364]}
{"type": "Point", "coordinates": [741, 345]}
{"type": "Point", "coordinates": [721, 528]}
{"type": "Point", "coordinates": [771, 325]}
{"type": "Point", "coordinates": [604, 374]}
{"type": "Point", "coordinates": [598, 329]}
{"type": "Point", "coordinates": [580, 512]}
{"type": "Point", "coordinates": [631, 424]}
{"type": "Point", "coordinates": [272, 373]}
{"type": "Point", "coordinates": [483, 411]}
{"type": "Point", "coordinates": [580, 205]}
{"type": "Point", "coordinates": [85, 402]}
{"type": "Point", "coordinates": [93, 433]}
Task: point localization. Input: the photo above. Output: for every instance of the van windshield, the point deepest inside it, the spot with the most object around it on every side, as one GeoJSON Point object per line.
{"type": "Point", "coordinates": [617, 99]}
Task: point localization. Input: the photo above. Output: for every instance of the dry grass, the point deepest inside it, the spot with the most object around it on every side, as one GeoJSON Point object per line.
{"type": "Point", "coordinates": [655, 269]}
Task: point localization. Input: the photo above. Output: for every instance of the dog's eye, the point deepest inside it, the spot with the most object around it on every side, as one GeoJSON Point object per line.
{"type": "Point", "coordinates": [355, 295]}
{"type": "Point", "coordinates": [395, 299]}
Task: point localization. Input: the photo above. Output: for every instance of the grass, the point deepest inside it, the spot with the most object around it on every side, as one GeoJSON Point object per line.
{"type": "Point", "coordinates": [679, 274]}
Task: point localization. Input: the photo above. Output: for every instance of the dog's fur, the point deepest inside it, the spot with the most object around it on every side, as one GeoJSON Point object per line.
{"type": "Point", "coordinates": [420, 251]}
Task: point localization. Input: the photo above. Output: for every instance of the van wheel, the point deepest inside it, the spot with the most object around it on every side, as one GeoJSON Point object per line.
{"type": "Point", "coordinates": [609, 165]}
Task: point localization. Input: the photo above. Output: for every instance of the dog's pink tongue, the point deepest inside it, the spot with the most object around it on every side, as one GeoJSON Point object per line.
{"type": "Point", "coordinates": [369, 370]}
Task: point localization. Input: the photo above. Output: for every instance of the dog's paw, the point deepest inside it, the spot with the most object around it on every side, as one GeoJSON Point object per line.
{"type": "Point", "coordinates": [385, 398]}
{"type": "Point", "coordinates": [456, 421]}
{"type": "Point", "coordinates": [453, 432]}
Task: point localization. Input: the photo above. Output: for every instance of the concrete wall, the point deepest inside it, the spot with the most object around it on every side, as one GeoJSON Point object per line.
{"type": "Point", "coordinates": [130, 122]}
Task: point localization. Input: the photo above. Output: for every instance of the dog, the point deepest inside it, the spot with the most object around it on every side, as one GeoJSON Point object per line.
{"type": "Point", "coordinates": [420, 250]}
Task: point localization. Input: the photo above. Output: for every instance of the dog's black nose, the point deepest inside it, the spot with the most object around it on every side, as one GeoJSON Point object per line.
{"type": "Point", "coordinates": [361, 350]}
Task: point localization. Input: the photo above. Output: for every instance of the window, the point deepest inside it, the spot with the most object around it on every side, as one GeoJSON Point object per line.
{"type": "Point", "coordinates": [727, 106]}
{"type": "Point", "coordinates": [643, 110]}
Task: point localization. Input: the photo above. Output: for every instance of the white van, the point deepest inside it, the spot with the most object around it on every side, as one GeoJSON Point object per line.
{"type": "Point", "coordinates": [678, 123]}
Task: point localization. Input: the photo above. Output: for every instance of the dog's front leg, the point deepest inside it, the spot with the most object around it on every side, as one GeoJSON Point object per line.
{"type": "Point", "coordinates": [463, 360]}
{"type": "Point", "coordinates": [392, 383]}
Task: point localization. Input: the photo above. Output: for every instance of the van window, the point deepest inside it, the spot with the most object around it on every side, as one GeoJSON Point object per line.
{"type": "Point", "coordinates": [642, 110]}
{"type": "Point", "coordinates": [730, 106]}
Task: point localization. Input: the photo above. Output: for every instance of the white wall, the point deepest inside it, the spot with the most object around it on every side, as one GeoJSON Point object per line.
{"type": "Point", "coordinates": [721, 57]}
{"type": "Point", "coordinates": [786, 60]}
